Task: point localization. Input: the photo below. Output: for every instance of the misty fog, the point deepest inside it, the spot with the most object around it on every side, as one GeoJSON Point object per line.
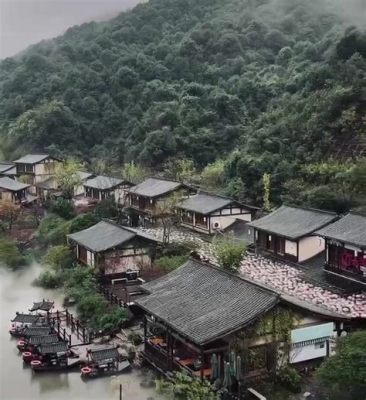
{"type": "Point", "coordinates": [25, 22]}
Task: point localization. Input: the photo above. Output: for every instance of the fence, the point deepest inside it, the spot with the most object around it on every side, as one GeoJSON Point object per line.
{"type": "Point", "coordinates": [69, 328]}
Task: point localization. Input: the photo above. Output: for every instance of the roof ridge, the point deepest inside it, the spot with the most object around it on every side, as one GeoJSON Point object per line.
{"type": "Point", "coordinates": [159, 178]}
{"type": "Point", "coordinates": [219, 196]}
{"type": "Point", "coordinates": [308, 209]}
{"type": "Point", "coordinates": [356, 213]}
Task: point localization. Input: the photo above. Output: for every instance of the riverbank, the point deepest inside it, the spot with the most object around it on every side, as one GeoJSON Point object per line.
{"type": "Point", "coordinates": [17, 382]}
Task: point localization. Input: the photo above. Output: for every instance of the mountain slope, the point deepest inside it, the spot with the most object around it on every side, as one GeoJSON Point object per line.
{"type": "Point", "coordinates": [267, 84]}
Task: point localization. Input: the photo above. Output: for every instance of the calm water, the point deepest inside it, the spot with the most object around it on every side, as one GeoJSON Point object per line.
{"type": "Point", "coordinates": [18, 382]}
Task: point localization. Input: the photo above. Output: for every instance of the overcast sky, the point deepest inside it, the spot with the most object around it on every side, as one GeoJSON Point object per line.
{"type": "Point", "coordinates": [25, 22]}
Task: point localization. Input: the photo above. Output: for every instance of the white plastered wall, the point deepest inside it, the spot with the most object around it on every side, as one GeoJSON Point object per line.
{"type": "Point", "coordinates": [310, 246]}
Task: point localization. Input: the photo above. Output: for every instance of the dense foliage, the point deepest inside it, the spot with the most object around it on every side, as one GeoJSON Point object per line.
{"type": "Point", "coordinates": [344, 374]}
{"type": "Point", "coordinates": [268, 86]}
{"type": "Point", "coordinates": [10, 254]}
{"type": "Point", "coordinates": [80, 284]}
{"type": "Point", "coordinates": [186, 387]}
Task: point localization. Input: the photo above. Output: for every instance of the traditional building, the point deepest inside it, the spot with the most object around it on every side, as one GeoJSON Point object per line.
{"type": "Point", "coordinates": [207, 213]}
{"type": "Point", "coordinates": [8, 169]}
{"type": "Point", "coordinates": [106, 187]}
{"type": "Point", "coordinates": [115, 251]}
{"type": "Point", "coordinates": [146, 198]}
{"type": "Point", "coordinates": [38, 168]}
{"type": "Point", "coordinates": [199, 318]}
{"type": "Point", "coordinates": [289, 232]}
{"type": "Point", "coordinates": [83, 177]}
{"type": "Point", "coordinates": [12, 190]}
{"type": "Point", "coordinates": [345, 242]}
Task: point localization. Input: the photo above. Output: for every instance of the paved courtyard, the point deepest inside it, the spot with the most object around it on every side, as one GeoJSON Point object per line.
{"type": "Point", "coordinates": [279, 276]}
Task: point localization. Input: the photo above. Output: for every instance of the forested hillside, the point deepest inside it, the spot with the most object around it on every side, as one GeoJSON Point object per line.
{"type": "Point", "coordinates": [267, 86]}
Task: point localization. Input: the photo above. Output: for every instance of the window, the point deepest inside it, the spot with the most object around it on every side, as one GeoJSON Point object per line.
{"type": "Point", "coordinates": [320, 345]}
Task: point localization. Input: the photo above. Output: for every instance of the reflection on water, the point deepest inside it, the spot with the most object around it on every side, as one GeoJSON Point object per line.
{"type": "Point", "coordinates": [17, 382]}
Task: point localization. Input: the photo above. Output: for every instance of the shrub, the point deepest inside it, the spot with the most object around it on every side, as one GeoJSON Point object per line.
{"type": "Point", "coordinates": [185, 387]}
{"type": "Point", "coordinates": [113, 320]}
{"type": "Point", "coordinates": [10, 254]}
{"type": "Point", "coordinates": [344, 374]}
{"type": "Point", "coordinates": [49, 279]}
{"type": "Point", "coordinates": [134, 338]}
{"type": "Point", "coordinates": [45, 233]}
{"type": "Point", "coordinates": [91, 306]}
{"type": "Point", "coordinates": [59, 257]}
{"type": "Point", "coordinates": [81, 222]}
{"type": "Point", "coordinates": [289, 378]}
{"type": "Point", "coordinates": [168, 264]}
{"type": "Point", "coordinates": [106, 209]}
{"type": "Point", "coordinates": [229, 252]}
{"type": "Point", "coordinates": [63, 208]}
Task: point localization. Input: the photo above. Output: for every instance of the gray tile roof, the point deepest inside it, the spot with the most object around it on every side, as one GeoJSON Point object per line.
{"type": "Point", "coordinates": [83, 176]}
{"type": "Point", "coordinates": [5, 166]}
{"type": "Point", "coordinates": [105, 235]}
{"type": "Point", "coordinates": [204, 203]}
{"type": "Point", "coordinates": [36, 331]}
{"type": "Point", "coordinates": [42, 305]}
{"type": "Point", "coordinates": [241, 231]}
{"type": "Point", "coordinates": [10, 172]}
{"type": "Point", "coordinates": [26, 318]}
{"type": "Point", "coordinates": [104, 354]}
{"type": "Point", "coordinates": [31, 158]}
{"type": "Point", "coordinates": [203, 303]}
{"type": "Point", "coordinates": [51, 348]}
{"type": "Point", "coordinates": [294, 222]}
{"type": "Point", "coordinates": [12, 185]}
{"type": "Point", "coordinates": [350, 229]}
{"type": "Point", "coordinates": [154, 187]}
{"type": "Point", "coordinates": [103, 182]}
{"type": "Point", "coordinates": [43, 339]}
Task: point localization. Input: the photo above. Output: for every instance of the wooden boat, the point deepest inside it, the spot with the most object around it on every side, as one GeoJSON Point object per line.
{"type": "Point", "coordinates": [54, 357]}
{"type": "Point", "coordinates": [22, 321]}
{"type": "Point", "coordinates": [30, 343]}
{"type": "Point", "coordinates": [104, 362]}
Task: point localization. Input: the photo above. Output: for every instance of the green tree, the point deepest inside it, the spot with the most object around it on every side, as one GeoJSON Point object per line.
{"type": "Point", "coordinates": [344, 373]}
{"type": "Point", "coordinates": [266, 179]}
{"type": "Point", "coordinates": [9, 213]}
{"type": "Point", "coordinates": [185, 387]}
{"type": "Point", "coordinates": [68, 176]}
{"type": "Point", "coordinates": [229, 252]}
{"type": "Point", "coordinates": [63, 208]}
{"type": "Point", "coordinates": [59, 257]}
{"type": "Point", "coordinates": [213, 176]}
{"type": "Point", "coordinates": [134, 173]}
{"type": "Point", "coordinates": [10, 254]}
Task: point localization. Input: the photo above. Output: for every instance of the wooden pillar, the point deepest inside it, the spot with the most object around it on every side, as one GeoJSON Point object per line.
{"type": "Point", "coordinates": [145, 328]}
{"type": "Point", "coordinates": [202, 363]}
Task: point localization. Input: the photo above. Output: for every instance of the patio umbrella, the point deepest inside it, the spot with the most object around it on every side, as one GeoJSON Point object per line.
{"type": "Point", "coordinates": [219, 366]}
{"type": "Point", "coordinates": [238, 368]}
{"type": "Point", "coordinates": [227, 376]}
{"type": "Point", "coordinates": [232, 360]}
{"type": "Point", "coordinates": [214, 366]}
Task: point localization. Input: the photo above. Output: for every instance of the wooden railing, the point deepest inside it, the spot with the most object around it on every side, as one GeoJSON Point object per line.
{"type": "Point", "coordinates": [66, 325]}
{"type": "Point", "coordinates": [157, 355]}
